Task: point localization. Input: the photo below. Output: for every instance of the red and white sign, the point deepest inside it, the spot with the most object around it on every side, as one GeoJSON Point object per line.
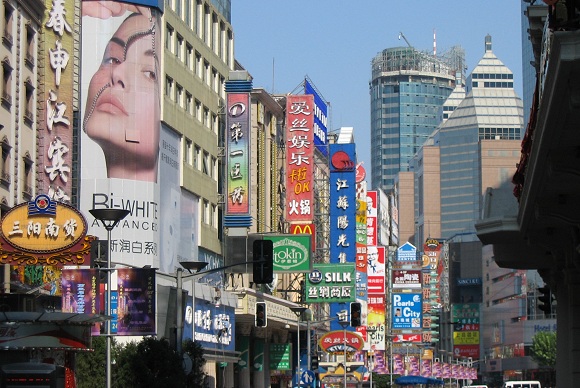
{"type": "Point", "coordinates": [334, 341]}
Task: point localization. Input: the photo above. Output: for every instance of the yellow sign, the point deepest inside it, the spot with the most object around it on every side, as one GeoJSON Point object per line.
{"type": "Point", "coordinates": [28, 229]}
{"type": "Point", "coordinates": [466, 338]}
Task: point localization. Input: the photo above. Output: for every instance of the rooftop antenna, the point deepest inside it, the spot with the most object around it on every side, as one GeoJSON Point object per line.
{"type": "Point", "coordinates": [434, 43]}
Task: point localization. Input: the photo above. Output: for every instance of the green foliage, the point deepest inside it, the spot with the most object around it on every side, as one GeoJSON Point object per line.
{"type": "Point", "coordinates": [543, 349]}
{"type": "Point", "coordinates": [151, 363]}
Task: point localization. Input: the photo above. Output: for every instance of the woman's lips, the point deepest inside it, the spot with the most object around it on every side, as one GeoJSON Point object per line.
{"type": "Point", "coordinates": [110, 104]}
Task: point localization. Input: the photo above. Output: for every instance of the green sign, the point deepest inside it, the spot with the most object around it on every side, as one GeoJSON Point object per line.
{"type": "Point", "coordinates": [331, 283]}
{"type": "Point", "coordinates": [291, 252]}
{"type": "Point", "coordinates": [280, 356]}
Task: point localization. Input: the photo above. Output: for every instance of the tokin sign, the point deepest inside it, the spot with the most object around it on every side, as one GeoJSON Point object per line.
{"type": "Point", "coordinates": [291, 252]}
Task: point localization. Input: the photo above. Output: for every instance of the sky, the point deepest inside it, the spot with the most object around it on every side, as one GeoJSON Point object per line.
{"type": "Point", "coordinates": [333, 42]}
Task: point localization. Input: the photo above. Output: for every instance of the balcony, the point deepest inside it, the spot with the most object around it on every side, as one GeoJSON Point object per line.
{"type": "Point", "coordinates": [28, 117]}
{"type": "Point", "coordinates": [5, 178]}
{"type": "Point", "coordinates": [6, 100]}
{"type": "Point", "coordinates": [7, 39]}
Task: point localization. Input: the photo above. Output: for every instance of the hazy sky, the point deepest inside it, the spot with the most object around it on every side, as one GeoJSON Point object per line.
{"type": "Point", "coordinates": [333, 43]}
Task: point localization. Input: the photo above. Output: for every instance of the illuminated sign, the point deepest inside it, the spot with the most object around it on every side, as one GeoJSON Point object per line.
{"type": "Point", "coordinates": [334, 342]}
{"type": "Point", "coordinates": [291, 253]}
{"type": "Point", "coordinates": [331, 283]}
{"type": "Point", "coordinates": [44, 232]}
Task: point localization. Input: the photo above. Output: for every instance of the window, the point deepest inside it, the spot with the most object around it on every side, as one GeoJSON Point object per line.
{"type": "Point", "coordinates": [179, 95]}
{"type": "Point", "coordinates": [213, 215]}
{"type": "Point", "coordinates": [5, 167]}
{"type": "Point", "coordinates": [198, 67]}
{"type": "Point", "coordinates": [205, 163]}
{"type": "Point", "coordinates": [8, 17]}
{"type": "Point", "coordinates": [206, 73]}
{"type": "Point", "coordinates": [214, 80]}
{"type": "Point", "coordinates": [28, 163]}
{"type": "Point", "coordinates": [30, 103]}
{"type": "Point", "coordinates": [6, 83]}
{"type": "Point", "coordinates": [188, 103]}
{"type": "Point", "coordinates": [197, 158]}
{"type": "Point", "coordinates": [189, 56]}
{"type": "Point", "coordinates": [30, 47]}
{"type": "Point", "coordinates": [188, 151]}
{"type": "Point", "coordinates": [188, 13]}
{"type": "Point", "coordinates": [198, 110]}
{"type": "Point", "coordinates": [213, 172]}
{"type": "Point", "coordinates": [169, 38]}
{"type": "Point", "coordinates": [179, 47]}
{"type": "Point", "coordinates": [214, 123]}
{"type": "Point", "coordinates": [198, 28]}
{"type": "Point", "coordinates": [169, 87]}
{"type": "Point", "coordinates": [206, 215]}
{"type": "Point", "coordinates": [206, 116]}
{"type": "Point", "coordinates": [178, 8]}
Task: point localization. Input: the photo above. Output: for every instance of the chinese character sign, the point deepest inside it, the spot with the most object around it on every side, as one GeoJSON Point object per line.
{"type": "Point", "coordinates": [56, 117]}
{"type": "Point", "coordinates": [238, 154]}
{"type": "Point", "coordinates": [407, 311]}
{"type": "Point", "coordinates": [299, 158]}
{"type": "Point", "coordinates": [135, 301]}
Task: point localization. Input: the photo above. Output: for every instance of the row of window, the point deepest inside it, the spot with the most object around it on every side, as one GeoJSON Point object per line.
{"type": "Point", "coordinates": [201, 160]}
{"type": "Point", "coordinates": [206, 24]}
{"type": "Point", "coordinates": [500, 133]}
{"type": "Point", "coordinates": [184, 99]}
{"type": "Point", "coordinates": [193, 60]}
{"type": "Point", "coordinates": [492, 76]}
{"type": "Point", "coordinates": [494, 84]}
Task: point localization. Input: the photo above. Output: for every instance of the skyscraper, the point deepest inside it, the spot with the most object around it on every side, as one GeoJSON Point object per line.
{"type": "Point", "coordinates": [490, 111]}
{"type": "Point", "coordinates": [408, 89]}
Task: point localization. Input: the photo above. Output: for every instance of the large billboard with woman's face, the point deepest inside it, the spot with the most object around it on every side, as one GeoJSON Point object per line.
{"type": "Point", "coordinates": [120, 118]}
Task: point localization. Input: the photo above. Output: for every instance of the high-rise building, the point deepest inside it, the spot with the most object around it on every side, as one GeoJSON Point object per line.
{"type": "Point", "coordinates": [408, 89]}
{"type": "Point", "coordinates": [490, 111]}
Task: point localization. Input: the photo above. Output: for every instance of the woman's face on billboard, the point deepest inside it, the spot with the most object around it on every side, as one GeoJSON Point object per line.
{"type": "Point", "coordinates": [123, 104]}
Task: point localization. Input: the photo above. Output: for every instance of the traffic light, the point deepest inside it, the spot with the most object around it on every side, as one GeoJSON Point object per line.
{"type": "Point", "coordinates": [314, 363]}
{"type": "Point", "coordinates": [261, 316]}
{"type": "Point", "coordinates": [263, 266]}
{"type": "Point", "coordinates": [545, 300]}
{"type": "Point", "coordinates": [355, 314]}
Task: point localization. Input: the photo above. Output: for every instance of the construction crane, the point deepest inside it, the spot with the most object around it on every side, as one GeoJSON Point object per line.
{"type": "Point", "coordinates": [401, 35]}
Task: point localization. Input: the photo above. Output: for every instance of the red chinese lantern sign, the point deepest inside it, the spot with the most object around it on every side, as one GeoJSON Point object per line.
{"type": "Point", "coordinates": [335, 341]}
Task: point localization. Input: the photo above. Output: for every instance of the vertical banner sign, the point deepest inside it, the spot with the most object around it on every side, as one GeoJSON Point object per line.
{"type": "Point", "coordinates": [384, 219]}
{"type": "Point", "coordinates": [372, 229]}
{"type": "Point", "coordinates": [299, 159]}
{"type": "Point", "coordinates": [376, 329]}
{"type": "Point", "coordinates": [238, 154]}
{"type": "Point", "coordinates": [136, 301]}
{"type": "Point", "coordinates": [320, 118]}
{"type": "Point", "coordinates": [342, 210]}
{"type": "Point", "coordinates": [120, 125]}
{"type": "Point", "coordinates": [55, 123]}
{"type": "Point", "coordinates": [79, 291]}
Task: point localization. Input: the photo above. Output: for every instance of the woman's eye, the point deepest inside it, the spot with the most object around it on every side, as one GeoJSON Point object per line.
{"type": "Point", "coordinates": [150, 74]}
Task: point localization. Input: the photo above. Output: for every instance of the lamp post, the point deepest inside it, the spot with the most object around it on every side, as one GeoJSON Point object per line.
{"type": "Point", "coordinates": [298, 311]}
{"type": "Point", "coordinates": [371, 356]}
{"type": "Point", "coordinates": [110, 219]}
{"type": "Point", "coordinates": [192, 267]}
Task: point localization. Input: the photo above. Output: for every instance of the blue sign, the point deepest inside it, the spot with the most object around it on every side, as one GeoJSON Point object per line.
{"type": "Point", "coordinates": [407, 252]}
{"type": "Point", "coordinates": [307, 377]}
{"type": "Point", "coordinates": [214, 325]}
{"type": "Point", "coordinates": [320, 118]}
{"type": "Point", "coordinates": [407, 311]}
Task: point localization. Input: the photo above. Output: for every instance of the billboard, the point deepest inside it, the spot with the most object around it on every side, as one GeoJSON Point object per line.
{"type": "Point", "coordinates": [300, 158]}
{"type": "Point", "coordinates": [406, 311]}
{"type": "Point", "coordinates": [331, 283]}
{"type": "Point", "coordinates": [320, 118]}
{"type": "Point", "coordinates": [55, 148]}
{"type": "Point", "coordinates": [121, 131]}
{"type": "Point", "coordinates": [291, 252]}
{"type": "Point", "coordinates": [238, 156]}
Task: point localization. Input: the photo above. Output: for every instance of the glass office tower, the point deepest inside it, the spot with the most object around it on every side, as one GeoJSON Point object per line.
{"type": "Point", "coordinates": [408, 89]}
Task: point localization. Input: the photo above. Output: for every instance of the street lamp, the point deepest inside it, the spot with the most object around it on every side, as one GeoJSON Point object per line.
{"type": "Point", "coordinates": [371, 356]}
{"type": "Point", "coordinates": [298, 311]}
{"type": "Point", "coordinates": [196, 266]}
{"type": "Point", "coordinates": [110, 219]}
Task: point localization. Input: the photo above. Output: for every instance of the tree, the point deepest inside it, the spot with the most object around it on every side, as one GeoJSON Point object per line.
{"type": "Point", "coordinates": [544, 349]}
{"type": "Point", "coordinates": [195, 351]}
{"type": "Point", "coordinates": [152, 362]}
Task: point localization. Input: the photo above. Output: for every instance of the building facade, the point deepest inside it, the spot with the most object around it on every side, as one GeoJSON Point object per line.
{"type": "Point", "coordinates": [407, 91]}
